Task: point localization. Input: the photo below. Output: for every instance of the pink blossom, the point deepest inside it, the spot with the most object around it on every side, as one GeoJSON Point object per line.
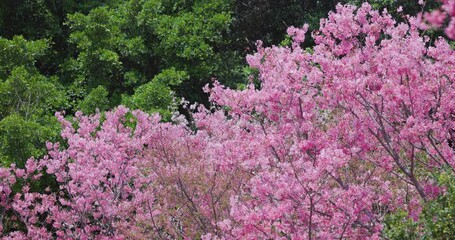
{"type": "Point", "coordinates": [298, 34]}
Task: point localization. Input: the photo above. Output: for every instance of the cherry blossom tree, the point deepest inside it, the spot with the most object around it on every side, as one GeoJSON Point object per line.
{"type": "Point", "coordinates": [353, 129]}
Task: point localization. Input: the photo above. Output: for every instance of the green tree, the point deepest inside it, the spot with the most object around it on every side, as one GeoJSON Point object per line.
{"type": "Point", "coordinates": [96, 99]}
{"type": "Point", "coordinates": [127, 45]}
{"type": "Point", "coordinates": [29, 100]}
{"type": "Point", "coordinates": [157, 95]}
{"type": "Point", "coordinates": [20, 52]}
{"type": "Point", "coordinates": [44, 19]}
{"type": "Point", "coordinates": [30, 18]}
{"type": "Point", "coordinates": [21, 139]}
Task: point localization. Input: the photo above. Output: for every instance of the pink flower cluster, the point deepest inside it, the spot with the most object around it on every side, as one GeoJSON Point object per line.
{"type": "Point", "coordinates": [437, 17]}
{"type": "Point", "coordinates": [330, 142]}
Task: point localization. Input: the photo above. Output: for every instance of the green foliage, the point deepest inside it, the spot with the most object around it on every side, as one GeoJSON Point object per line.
{"type": "Point", "coordinates": [31, 18]}
{"type": "Point", "coordinates": [100, 45]}
{"type": "Point", "coordinates": [29, 100]}
{"type": "Point", "coordinates": [29, 94]}
{"type": "Point", "coordinates": [157, 95]}
{"type": "Point", "coordinates": [43, 19]}
{"type": "Point", "coordinates": [96, 99]}
{"type": "Point", "coordinates": [37, 19]}
{"type": "Point", "coordinates": [400, 226]}
{"type": "Point", "coordinates": [437, 220]}
{"type": "Point", "coordinates": [20, 52]}
{"type": "Point", "coordinates": [439, 215]}
{"type": "Point", "coordinates": [171, 77]}
{"type": "Point", "coordinates": [21, 139]}
{"type": "Point", "coordinates": [122, 46]}
{"type": "Point", "coordinates": [287, 41]}
{"type": "Point", "coordinates": [192, 40]}
{"type": "Point", "coordinates": [23, 89]}
{"type": "Point", "coordinates": [189, 35]}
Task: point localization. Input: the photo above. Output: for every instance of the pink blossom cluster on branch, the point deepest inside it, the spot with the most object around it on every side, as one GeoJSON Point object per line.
{"type": "Point", "coordinates": [331, 141]}
{"type": "Point", "coordinates": [437, 17]}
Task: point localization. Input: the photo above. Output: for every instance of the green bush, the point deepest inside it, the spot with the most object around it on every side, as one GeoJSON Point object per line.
{"type": "Point", "coordinates": [437, 220]}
